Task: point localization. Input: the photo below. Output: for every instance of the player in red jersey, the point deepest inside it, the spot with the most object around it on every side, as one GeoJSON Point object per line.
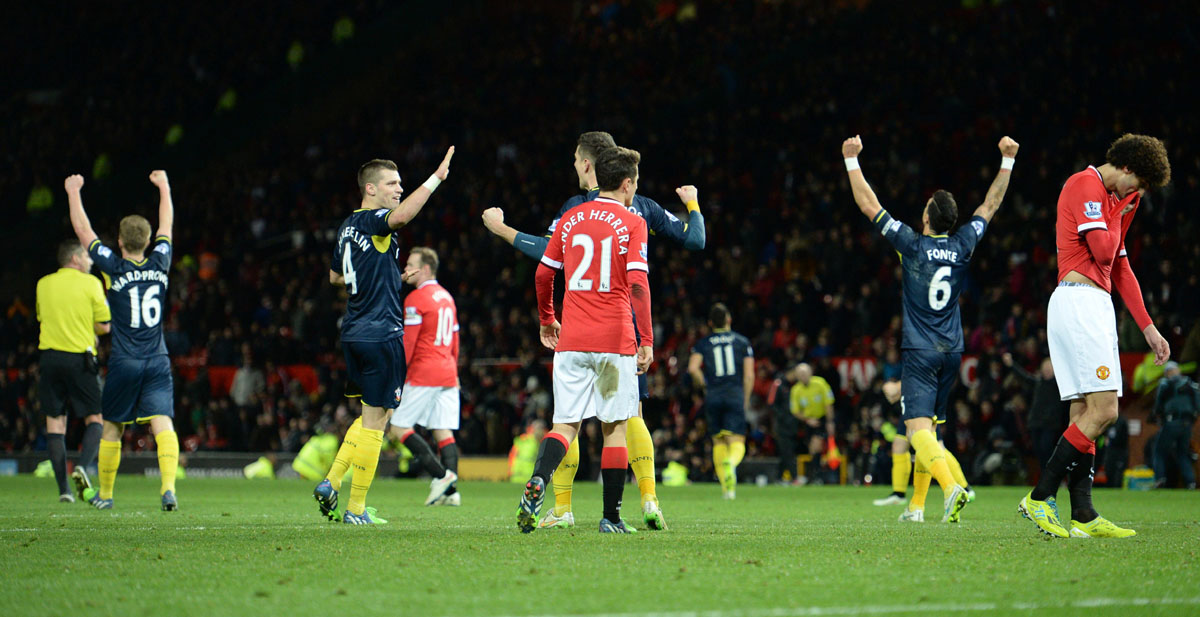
{"type": "Point", "coordinates": [431, 386]}
{"type": "Point", "coordinates": [601, 248]}
{"type": "Point", "coordinates": [1095, 210]}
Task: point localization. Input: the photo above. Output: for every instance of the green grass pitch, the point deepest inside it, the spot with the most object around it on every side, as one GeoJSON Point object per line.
{"type": "Point", "coordinates": [239, 547]}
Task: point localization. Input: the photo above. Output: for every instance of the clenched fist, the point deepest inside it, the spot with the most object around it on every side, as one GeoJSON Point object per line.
{"type": "Point", "coordinates": [158, 178]}
{"type": "Point", "coordinates": [73, 183]}
{"type": "Point", "coordinates": [1008, 147]}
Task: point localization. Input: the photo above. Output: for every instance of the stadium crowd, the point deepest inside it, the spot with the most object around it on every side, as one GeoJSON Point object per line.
{"type": "Point", "coordinates": [753, 116]}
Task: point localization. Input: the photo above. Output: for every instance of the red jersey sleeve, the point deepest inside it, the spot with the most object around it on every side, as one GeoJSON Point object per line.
{"type": "Point", "coordinates": [1082, 205]}
{"type": "Point", "coordinates": [552, 261]}
{"type": "Point", "coordinates": [413, 319]}
{"type": "Point", "coordinates": [637, 266]}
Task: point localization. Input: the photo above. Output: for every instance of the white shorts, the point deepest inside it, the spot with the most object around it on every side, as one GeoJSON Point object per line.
{"type": "Point", "coordinates": [433, 407]}
{"type": "Point", "coordinates": [593, 384]}
{"type": "Point", "coordinates": [1082, 330]}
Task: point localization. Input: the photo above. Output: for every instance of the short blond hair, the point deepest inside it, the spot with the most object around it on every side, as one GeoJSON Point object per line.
{"type": "Point", "coordinates": [135, 233]}
{"type": "Point", "coordinates": [429, 257]}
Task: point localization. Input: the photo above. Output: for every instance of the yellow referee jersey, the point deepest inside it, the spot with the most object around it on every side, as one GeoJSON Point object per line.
{"type": "Point", "coordinates": [810, 401]}
{"type": "Point", "coordinates": [69, 304]}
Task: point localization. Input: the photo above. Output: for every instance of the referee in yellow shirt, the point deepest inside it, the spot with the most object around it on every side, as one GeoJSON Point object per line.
{"type": "Point", "coordinates": [72, 310]}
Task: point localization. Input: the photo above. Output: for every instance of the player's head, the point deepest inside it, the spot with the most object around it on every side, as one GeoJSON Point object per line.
{"type": "Point", "coordinates": [617, 172]}
{"type": "Point", "coordinates": [1142, 161]}
{"type": "Point", "coordinates": [803, 373]}
{"type": "Point", "coordinates": [589, 146]}
{"type": "Point", "coordinates": [940, 213]}
{"type": "Point", "coordinates": [72, 255]}
{"type": "Point", "coordinates": [134, 233]}
{"type": "Point", "coordinates": [379, 183]}
{"type": "Point", "coordinates": [422, 265]}
{"type": "Point", "coordinates": [718, 317]}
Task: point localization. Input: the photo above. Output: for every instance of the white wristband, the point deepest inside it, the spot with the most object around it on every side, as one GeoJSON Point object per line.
{"type": "Point", "coordinates": [432, 183]}
{"type": "Point", "coordinates": [852, 163]}
{"type": "Point", "coordinates": [1007, 163]}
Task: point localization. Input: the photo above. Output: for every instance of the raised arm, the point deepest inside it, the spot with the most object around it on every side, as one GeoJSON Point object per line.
{"type": "Point", "coordinates": [532, 246]}
{"type": "Point", "coordinates": [695, 236]}
{"type": "Point", "coordinates": [408, 209]}
{"type": "Point", "coordinates": [79, 218]}
{"type": "Point", "coordinates": [995, 194]}
{"type": "Point", "coordinates": [867, 202]}
{"type": "Point", "coordinates": [166, 209]}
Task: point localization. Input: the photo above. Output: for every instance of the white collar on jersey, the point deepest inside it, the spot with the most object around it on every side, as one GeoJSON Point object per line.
{"type": "Point", "coordinates": [1098, 174]}
{"type": "Point", "coordinates": [429, 282]}
{"type": "Point", "coordinates": [609, 200]}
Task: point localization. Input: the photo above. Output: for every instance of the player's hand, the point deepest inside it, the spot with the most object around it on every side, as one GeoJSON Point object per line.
{"type": "Point", "coordinates": [687, 193]}
{"type": "Point", "coordinates": [73, 183]}
{"type": "Point", "coordinates": [549, 334]}
{"type": "Point", "coordinates": [443, 170]}
{"type": "Point", "coordinates": [1008, 147]}
{"type": "Point", "coordinates": [852, 147]}
{"type": "Point", "coordinates": [158, 178]}
{"type": "Point", "coordinates": [645, 357]}
{"type": "Point", "coordinates": [891, 391]}
{"type": "Point", "coordinates": [1158, 344]}
{"type": "Point", "coordinates": [493, 218]}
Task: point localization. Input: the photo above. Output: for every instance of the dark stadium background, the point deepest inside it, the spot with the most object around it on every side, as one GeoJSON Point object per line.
{"type": "Point", "coordinates": [262, 112]}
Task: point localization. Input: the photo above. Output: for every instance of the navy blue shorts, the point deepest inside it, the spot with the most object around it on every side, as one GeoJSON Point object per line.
{"type": "Point", "coordinates": [926, 383]}
{"type": "Point", "coordinates": [138, 388]}
{"type": "Point", "coordinates": [376, 371]}
{"type": "Point", "coordinates": [725, 415]}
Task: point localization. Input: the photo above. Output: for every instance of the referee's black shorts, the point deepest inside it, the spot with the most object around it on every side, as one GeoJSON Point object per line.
{"type": "Point", "coordinates": [68, 380]}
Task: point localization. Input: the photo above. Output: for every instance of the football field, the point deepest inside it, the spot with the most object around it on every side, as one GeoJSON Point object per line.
{"type": "Point", "coordinates": [239, 547]}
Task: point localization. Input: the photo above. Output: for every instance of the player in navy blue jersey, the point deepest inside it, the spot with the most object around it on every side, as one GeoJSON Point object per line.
{"type": "Point", "coordinates": [934, 264]}
{"type": "Point", "coordinates": [366, 260]}
{"type": "Point", "coordinates": [723, 364]}
{"type": "Point", "coordinates": [660, 223]}
{"type": "Point", "coordinates": [138, 386]}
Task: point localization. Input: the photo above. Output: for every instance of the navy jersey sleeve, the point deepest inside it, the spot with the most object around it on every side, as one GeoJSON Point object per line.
{"type": "Point", "coordinates": [374, 222]}
{"type": "Point", "coordinates": [701, 346]}
{"type": "Point", "coordinates": [971, 233]}
{"type": "Point", "coordinates": [160, 255]}
{"type": "Point", "coordinates": [104, 257]}
{"type": "Point", "coordinates": [664, 224]}
{"type": "Point", "coordinates": [901, 236]}
{"type": "Point", "coordinates": [749, 353]}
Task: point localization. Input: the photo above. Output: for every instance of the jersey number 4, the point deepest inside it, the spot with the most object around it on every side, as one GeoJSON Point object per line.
{"type": "Point", "coordinates": [145, 310]}
{"type": "Point", "coordinates": [723, 366]}
{"type": "Point", "coordinates": [348, 275]}
{"type": "Point", "coordinates": [939, 289]}
{"type": "Point", "coordinates": [577, 282]}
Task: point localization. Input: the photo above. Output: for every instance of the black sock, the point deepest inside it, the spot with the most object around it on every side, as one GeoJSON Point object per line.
{"type": "Point", "coordinates": [57, 444]}
{"type": "Point", "coordinates": [899, 494]}
{"type": "Point", "coordinates": [550, 454]}
{"type": "Point", "coordinates": [614, 487]}
{"type": "Point", "coordinates": [1064, 459]}
{"type": "Point", "coordinates": [449, 454]}
{"type": "Point", "coordinates": [91, 444]}
{"type": "Point", "coordinates": [424, 455]}
{"type": "Point", "coordinates": [1079, 483]}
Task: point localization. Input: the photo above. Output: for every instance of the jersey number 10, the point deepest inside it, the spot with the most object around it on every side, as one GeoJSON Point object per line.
{"type": "Point", "coordinates": [577, 282]}
{"type": "Point", "coordinates": [723, 366]}
{"type": "Point", "coordinates": [445, 327]}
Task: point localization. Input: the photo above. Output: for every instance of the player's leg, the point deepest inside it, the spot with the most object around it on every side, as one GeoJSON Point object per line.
{"type": "Point", "coordinates": [107, 462]}
{"type": "Point", "coordinates": [574, 380]}
{"type": "Point", "coordinates": [167, 442]}
{"type": "Point", "coordinates": [118, 407]}
{"type": "Point", "coordinates": [158, 404]}
{"type": "Point", "coordinates": [915, 512]}
{"type": "Point", "coordinates": [616, 378]}
{"type": "Point", "coordinates": [341, 460]}
{"type": "Point", "coordinates": [326, 491]}
{"type": "Point", "coordinates": [564, 483]}
{"type": "Point", "coordinates": [641, 447]}
{"type": "Point", "coordinates": [85, 399]}
{"type": "Point", "coordinates": [720, 456]}
{"type": "Point", "coordinates": [736, 443]}
{"type": "Point", "coordinates": [365, 460]}
{"type": "Point", "coordinates": [56, 443]}
{"type": "Point", "coordinates": [613, 463]}
{"type": "Point", "coordinates": [53, 396]}
{"type": "Point", "coordinates": [901, 466]}
{"type": "Point", "coordinates": [1099, 413]}
{"type": "Point", "coordinates": [918, 402]}
{"type": "Point", "coordinates": [448, 453]}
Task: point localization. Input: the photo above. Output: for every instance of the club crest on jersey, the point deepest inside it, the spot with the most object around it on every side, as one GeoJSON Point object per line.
{"type": "Point", "coordinates": [978, 227]}
{"type": "Point", "coordinates": [1091, 209]}
{"type": "Point", "coordinates": [399, 391]}
{"type": "Point", "coordinates": [1102, 372]}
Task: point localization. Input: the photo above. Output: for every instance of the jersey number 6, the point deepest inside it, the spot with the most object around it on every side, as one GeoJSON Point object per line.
{"type": "Point", "coordinates": [939, 289]}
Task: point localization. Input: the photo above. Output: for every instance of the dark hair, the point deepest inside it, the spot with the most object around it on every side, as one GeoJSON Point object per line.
{"type": "Point", "coordinates": [592, 143]}
{"type": "Point", "coordinates": [943, 212]}
{"type": "Point", "coordinates": [369, 172]}
{"type": "Point", "coordinates": [428, 257]}
{"type": "Point", "coordinates": [614, 165]}
{"type": "Point", "coordinates": [1144, 155]}
{"type": "Point", "coordinates": [67, 250]}
{"type": "Point", "coordinates": [718, 315]}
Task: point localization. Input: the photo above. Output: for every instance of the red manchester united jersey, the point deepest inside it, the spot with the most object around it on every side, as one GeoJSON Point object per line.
{"type": "Point", "coordinates": [431, 336]}
{"type": "Point", "coordinates": [1086, 206]}
{"type": "Point", "coordinates": [596, 245]}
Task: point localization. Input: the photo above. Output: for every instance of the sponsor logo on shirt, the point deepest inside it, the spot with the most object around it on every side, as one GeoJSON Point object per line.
{"type": "Point", "coordinates": [893, 226]}
{"type": "Point", "coordinates": [978, 227]}
{"type": "Point", "coordinates": [672, 217]}
{"type": "Point", "coordinates": [1091, 209]}
{"type": "Point", "coordinates": [553, 225]}
{"type": "Point", "coordinates": [104, 251]}
{"type": "Point", "coordinates": [382, 212]}
{"type": "Point", "coordinates": [642, 252]}
{"type": "Point", "coordinates": [163, 248]}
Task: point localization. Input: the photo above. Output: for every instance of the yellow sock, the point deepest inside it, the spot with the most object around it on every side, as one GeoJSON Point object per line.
{"type": "Point", "coordinates": [563, 480]}
{"type": "Point", "coordinates": [341, 462]}
{"type": "Point", "coordinates": [721, 462]}
{"type": "Point", "coordinates": [106, 464]}
{"type": "Point", "coordinates": [921, 481]}
{"type": "Point", "coordinates": [737, 452]}
{"type": "Point", "coordinates": [955, 469]}
{"type": "Point", "coordinates": [901, 466]}
{"type": "Point", "coordinates": [168, 458]}
{"type": "Point", "coordinates": [641, 456]}
{"type": "Point", "coordinates": [933, 457]}
{"type": "Point", "coordinates": [366, 459]}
